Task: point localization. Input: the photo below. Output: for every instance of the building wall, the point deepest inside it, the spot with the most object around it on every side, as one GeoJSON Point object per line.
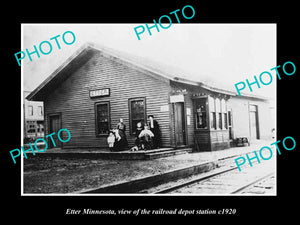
{"type": "Point", "coordinates": [188, 121]}
{"type": "Point", "coordinates": [35, 105]}
{"type": "Point", "coordinates": [211, 139]}
{"type": "Point", "coordinates": [77, 109]}
{"type": "Point", "coordinates": [266, 121]}
{"type": "Point", "coordinates": [201, 139]}
{"type": "Point", "coordinates": [33, 119]}
{"type": "Point", "coordinates": [219, 139]}
{"type": "Point", "coordinates": [187, 91]}
{"type": "Point", "coordinates": [241, 117]}
{"type": "Point", "coordinates": [71, 100]}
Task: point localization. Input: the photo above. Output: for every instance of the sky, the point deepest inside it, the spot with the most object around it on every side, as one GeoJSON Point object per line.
{"type": "Point", "coordinates": [217, 54]}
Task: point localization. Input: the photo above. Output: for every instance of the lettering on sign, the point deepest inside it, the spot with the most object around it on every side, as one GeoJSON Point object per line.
{"type": "Point", "coordinates": [99, 92]}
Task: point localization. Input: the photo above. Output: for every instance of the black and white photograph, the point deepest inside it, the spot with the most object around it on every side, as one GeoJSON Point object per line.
{"type": "Point", "coordinates": [188, 110]}
{"type": "Point", "coordinates": [149, 111]}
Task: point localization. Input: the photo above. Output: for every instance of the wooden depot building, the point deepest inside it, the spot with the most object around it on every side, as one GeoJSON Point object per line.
{"type": "Point", "coordinates": [96, 86]}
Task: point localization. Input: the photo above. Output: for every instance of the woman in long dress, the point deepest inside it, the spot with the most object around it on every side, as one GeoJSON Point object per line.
{"type": "Point", "coordinates": [122, 143]}
{"type": "Point", "coordinates": [154, 127]}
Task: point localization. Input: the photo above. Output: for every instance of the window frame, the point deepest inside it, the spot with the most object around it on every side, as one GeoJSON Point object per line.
{"type": "Point", "coordinates": [212, 113]}
{"type": "Point", "coordinates": [206, 113]}
{"type": "Point", "coordinates": [96, 117]}
{"type": "Point", "coordinates": [224, 114]}
{"type": "Point", "coordinates": [30, 110]}
{"type": "Point", "coordinates": [130, 100]}
{"type": "Point", "coordinates": [225, 120]}
{"type": "Point", "coordinates": [219, 115]}
{"type": "Point", "coordinates": [40, 110]}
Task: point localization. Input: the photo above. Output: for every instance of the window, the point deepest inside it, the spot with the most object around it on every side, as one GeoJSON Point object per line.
{"type": "Point", "coordinates": [102, 118]}
{"type": "Point", "coordinates": [213, 123]}
{"type": "Point", "coordinates": [30, 126]}
{"type": "Point", "coordinates": [224, 111]}
{"type": "Point", "coordinates": [200, 106]}
{"type": "Point", "coordinates": [219, 121]}
{"type": "Point", "coordinates": [229, 118]}
{"type": "Point", "coordinates": [30, 110]}
{"type": "Point", "coordinates": [137, 109]}
{"type": "Point", "coordinates": [212, 108]}
{"type": "Point", "coordinates": [40, 110]}
{"type": "Point", "coordinates": [40, 128]}
{"type": "Point", "coordinates": [230, 124]}
{"type": "Point", "coordinates": [225, 121]}
{"type": "Point", "coordinates": [218, 113]}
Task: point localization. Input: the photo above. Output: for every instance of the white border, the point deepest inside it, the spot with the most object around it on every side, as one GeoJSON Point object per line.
{"type": "Point", "coordinates": [167, 195]}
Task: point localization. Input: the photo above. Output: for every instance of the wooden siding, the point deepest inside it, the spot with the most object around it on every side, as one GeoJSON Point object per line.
{"type": "Point", "coordinates": [202, 140]}
{"type": "Point", "coordinates": [72, 99]}
{"type": "Point", "coordinates": [240, 117]}
{"type": "Point", "coordinates": [176, 88]}
{"type": "Point", "coordinates": [219, 139]}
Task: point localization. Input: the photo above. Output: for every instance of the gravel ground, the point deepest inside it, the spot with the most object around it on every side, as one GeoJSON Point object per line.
{"type": "Point", "coordinates": [46, 175]}
{"type": "Point", "coordinates": [54, 175]}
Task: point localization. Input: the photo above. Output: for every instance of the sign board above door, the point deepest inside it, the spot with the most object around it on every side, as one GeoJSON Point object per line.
{"type": "Point", "coordinates": [176, 98]}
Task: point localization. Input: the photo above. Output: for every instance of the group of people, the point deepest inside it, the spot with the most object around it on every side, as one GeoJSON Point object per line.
{"type": "Point", "coordinates": [147, 136]}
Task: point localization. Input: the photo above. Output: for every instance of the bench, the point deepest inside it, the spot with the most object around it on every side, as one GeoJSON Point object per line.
{"type": "Point", "coordinates": [241, 141]}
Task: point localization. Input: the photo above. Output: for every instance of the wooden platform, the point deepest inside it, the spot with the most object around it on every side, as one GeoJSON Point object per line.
{"type": "Point", "coordinates": [122, 155]}
{"type": "Point", "coordinates": [149, 154]}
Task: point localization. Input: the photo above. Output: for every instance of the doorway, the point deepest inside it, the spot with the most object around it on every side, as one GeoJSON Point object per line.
{"type": "Point", "coordinates": [180, 134]}
{"type": "Point", "coordinates": [254, 126]}
{"type": "Point", "coordinates": [54, 126]}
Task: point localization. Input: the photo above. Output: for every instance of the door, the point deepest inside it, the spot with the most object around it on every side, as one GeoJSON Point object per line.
{"type": "Point", "coordinates": [230, 126]}
{"type": "Point", "coordinates": [180, 138]}
{"type": "Point", "coordinates": [54, 126]}
{"type": "Point", "coordinates": [254, 128]}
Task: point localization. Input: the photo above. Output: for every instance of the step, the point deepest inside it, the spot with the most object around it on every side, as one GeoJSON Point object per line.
{"type": "Point", "coordinates": [167, 153]}
{"type": "Point", "coordinates": [122, 155]}
{"type": "Point", "coordinates": [147, 151]}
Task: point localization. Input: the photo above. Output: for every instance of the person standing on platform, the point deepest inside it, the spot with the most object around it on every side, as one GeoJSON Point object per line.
{"type": "Point", "coordinates": [122, 144]}
{"type": "Point", "coordinates": [154, 127]}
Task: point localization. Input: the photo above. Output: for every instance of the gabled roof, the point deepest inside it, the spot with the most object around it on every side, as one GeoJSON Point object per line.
{"type": "Point", "coordinates": [61, 73]}
{"type": "Point", "coordinates": [85, 52]}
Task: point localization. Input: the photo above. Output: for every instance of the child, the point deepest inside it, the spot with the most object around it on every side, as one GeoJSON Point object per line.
{"type": "Point", "coordinates": [138, 130]}
{"type": "Point", "coordinates": [111, 140]}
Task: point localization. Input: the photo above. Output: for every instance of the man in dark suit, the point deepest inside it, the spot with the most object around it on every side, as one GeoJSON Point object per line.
{"type": "Point", "coordinates": [154, 127]}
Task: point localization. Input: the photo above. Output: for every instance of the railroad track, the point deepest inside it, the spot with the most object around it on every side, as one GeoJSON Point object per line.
{"type": "Point", "coordinates": [219, 181]}
{"type": "Point", "coordinates": [192, 177]}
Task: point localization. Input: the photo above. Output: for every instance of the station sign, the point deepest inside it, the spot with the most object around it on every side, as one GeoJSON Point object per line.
{"type": "Point", "coordinates": [99, 93]}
